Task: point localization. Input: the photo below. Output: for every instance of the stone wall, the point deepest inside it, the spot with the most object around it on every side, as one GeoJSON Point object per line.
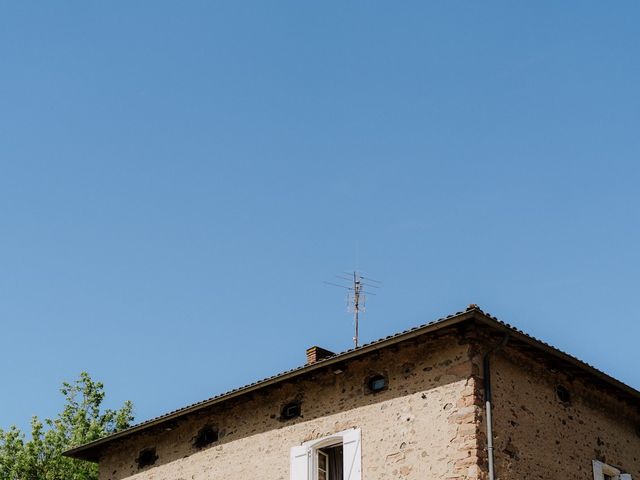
{"type": "Point", "coordinates": [422, 427]}
{"type": "Point", "coordinates": [538, 436]}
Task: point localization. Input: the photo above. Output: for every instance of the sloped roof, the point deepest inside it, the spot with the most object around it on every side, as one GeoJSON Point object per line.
{"type": "Point", "coordinates": [91, 451]}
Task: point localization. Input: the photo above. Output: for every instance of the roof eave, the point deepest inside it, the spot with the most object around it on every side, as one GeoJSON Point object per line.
{"type": "Point", "coordinates": [89, 451]}
{"type": "Point", "coordinates": [559, 354]}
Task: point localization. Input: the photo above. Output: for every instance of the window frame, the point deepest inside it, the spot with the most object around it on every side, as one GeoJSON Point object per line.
{"type": "Point", "coordinates": [318, 468]}
{"type": "Point", "coordinates": [600, 469]}
{"type": "Point", "coordinates": [304, 457]}
{"type": "Point", "coordinates": [314, 447]}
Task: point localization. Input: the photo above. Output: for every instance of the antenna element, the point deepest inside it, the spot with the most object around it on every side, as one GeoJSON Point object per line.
{"type": "Point", "coordinates": [357, 293]}
{"type": "Point", "coordinates": [356, 298]}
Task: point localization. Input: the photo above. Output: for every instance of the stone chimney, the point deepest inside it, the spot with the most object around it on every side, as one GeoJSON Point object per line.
{"type": "Point", "coordinates": [315, 354]}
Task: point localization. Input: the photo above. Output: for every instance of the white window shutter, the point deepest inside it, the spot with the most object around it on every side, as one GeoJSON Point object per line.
{"type": "Point", "coordinates": [352, 453]}
{"type": "Point", "coordinates": [299, 463]}
{"type": "Point", "coordinates": [597, 470]}
{"type": "Point", "coordinates": [625, 476]}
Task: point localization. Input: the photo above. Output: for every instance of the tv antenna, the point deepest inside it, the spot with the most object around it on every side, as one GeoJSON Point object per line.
{"type": "Point", "coordinates": [356, 296]}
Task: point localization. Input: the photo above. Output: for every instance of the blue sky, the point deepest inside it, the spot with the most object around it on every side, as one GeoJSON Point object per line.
{"type": "Point", "coordinates": [177, 180]}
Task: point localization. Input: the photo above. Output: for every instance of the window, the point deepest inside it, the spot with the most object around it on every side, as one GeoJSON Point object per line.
{"type": "Point", "coordinates": [602, 471]}
{"type": "Point", "coordinates": [206, 436]}
{"type": "Point", "coordinates": [146, 458]}
{"type": "Point", "coordinates": [337, 457]}
{"type": "Point", "coordinates": [290, 411]}
{"type": "Point", "coordinates": [323, 465]}
{"type": "Point", "coordinates": [377, 383]}
{"type": "Point", "coordinates": [563, 394]}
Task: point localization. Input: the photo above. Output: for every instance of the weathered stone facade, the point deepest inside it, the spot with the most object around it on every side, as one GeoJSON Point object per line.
{"type": "Point", "coordinates": [428, 423]}
{"type": "Point", "coordinates": [422, 426]}
{"type": "Point", "coordinates": [538, 435]}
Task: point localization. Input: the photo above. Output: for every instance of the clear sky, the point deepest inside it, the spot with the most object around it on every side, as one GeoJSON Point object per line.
{"type": "Point", "coordinates": [177, 180]}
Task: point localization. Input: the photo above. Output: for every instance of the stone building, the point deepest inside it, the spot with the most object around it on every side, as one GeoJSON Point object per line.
{"type": "Point", "coordinates": [463, 397]}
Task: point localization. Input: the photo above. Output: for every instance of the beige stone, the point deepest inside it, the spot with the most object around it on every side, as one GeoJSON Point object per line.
{"type": "Point", "coordinates": [429, 424]}
{"type": "Point", "coordinates": [256, 444]}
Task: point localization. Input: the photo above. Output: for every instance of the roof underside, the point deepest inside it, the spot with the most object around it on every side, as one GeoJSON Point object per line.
{"type": "Point", "coordinates": [91, 451]}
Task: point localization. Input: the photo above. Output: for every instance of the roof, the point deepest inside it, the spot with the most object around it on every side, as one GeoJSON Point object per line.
{"type": "Point", "coordinates": [91, 451]}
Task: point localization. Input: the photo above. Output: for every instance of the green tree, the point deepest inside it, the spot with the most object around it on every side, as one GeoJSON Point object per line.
{"type": "Point", "coordinates": [82, 420]}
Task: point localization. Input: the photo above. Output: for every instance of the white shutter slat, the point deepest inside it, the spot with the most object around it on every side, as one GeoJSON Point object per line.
{"type": "Point", "coordinates": [597, 470]}
{"type": "Point", "coordinates": [352, 454]}
{"type": "Point", "coordinates": [625, 476]}
{"type": "Point", "coordinates": [299, 463]}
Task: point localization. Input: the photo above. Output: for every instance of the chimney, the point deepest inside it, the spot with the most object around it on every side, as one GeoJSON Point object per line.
{"type": "Point", "coordinates": [315, 354]}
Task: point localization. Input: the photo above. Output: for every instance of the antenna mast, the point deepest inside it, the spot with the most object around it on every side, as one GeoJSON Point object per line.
{"type": "Point", "coordinates": [356, 297]}
{"type": "Point", "coordinates": [357, 291]}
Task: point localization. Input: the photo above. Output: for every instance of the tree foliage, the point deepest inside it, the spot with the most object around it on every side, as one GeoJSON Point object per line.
{"type": "Point", "coordinates": [81, 420]}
